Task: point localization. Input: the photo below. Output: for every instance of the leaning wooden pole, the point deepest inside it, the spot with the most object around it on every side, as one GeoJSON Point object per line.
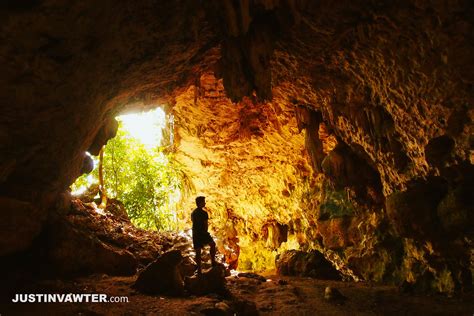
{"type": "Point", "coordinates": [102, 191]}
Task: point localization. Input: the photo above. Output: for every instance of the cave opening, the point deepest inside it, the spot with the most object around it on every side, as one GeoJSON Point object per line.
{"type": "Point", "coordinates": [136, 170]}
{"type": "Point", "coordinates": [331, 139]}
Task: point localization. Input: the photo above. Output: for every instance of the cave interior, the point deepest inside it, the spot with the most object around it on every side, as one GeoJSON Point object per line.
{"type": "Point", "coordinates": [333, 141]}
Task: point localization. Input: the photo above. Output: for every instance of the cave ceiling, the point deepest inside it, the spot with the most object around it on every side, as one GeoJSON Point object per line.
{"type": "Point", "coordinates": [253, 86]}
{"type": "Point", "coordinates": [382, 75]}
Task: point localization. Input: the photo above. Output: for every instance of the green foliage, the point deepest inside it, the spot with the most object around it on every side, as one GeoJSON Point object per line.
{"type": "Point", "coordinates": [147, 181]}
{"type": "Point", "coordinates": [86, 181]}
{"type": "Point", "coordinates": [335, 204]}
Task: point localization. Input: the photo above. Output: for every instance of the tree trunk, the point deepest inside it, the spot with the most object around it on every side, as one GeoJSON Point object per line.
{"type": "Point", "coordinates": [102, 191]}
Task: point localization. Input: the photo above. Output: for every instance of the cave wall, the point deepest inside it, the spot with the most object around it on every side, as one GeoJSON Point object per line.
{"type": "Point", "coordinates": [67, 70]}
{"type": "Point", "coordinates": [248, 158]}
{"type": "Point", "coordinates": [391, 82]}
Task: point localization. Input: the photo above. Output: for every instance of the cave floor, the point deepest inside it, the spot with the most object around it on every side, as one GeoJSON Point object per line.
{"type": "Point", "coordinates": [278, 296]}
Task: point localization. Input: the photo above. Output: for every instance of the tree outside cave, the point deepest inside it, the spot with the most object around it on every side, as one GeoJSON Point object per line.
{"type": "Point", "coordinates": [139, 170]}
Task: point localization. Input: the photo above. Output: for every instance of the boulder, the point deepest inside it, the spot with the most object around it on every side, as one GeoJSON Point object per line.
{"type": "Point", "coordinates": [162, 276]}
{"type": "Point", "coordinates": [20, 223]}
{"type": "Point", "coordinates": [210, 281]}
{"type": "Point", "coordinates": [312, 264]}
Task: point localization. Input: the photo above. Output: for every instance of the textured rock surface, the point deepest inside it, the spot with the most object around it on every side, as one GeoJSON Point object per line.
{"type": "Point", "coordinates": [248, 158]}
{"type": "Point", "coordinates": [85, 240]}
{"type": "Point", "coordinates": [312, 264]}
{"type": "Point", "coordinates": [162, 276]}
{"type": "Point", "coordinates": [75, 252]}
{"type": "Point", "coordinates": [211, 281]}
{"type": "Point", "coordinates": [68, 70]}
{"type": "Point", "coordinates": [384, 92]}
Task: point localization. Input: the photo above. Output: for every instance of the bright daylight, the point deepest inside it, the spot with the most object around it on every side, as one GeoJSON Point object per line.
{"type": "Point", "coordinates": [237, 157]}
{"type": "Point", "coordinates": [137, 171]}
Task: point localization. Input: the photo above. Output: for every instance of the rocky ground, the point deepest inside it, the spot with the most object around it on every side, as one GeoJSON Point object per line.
{"type": "Point", "coordinates": [100, 239]}
{"type": "Point", "coordinates": [276, 296]}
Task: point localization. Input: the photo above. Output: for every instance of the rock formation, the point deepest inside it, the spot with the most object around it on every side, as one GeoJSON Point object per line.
{"type": "Point", "coordinates": [162, 276]}
{"type": "Point", "coordinates": [343, 126]}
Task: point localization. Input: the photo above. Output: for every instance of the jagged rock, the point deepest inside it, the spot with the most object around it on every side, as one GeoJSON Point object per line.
{"type": "Point", "coordinates": [162, 276]}
{"type": "Point", "coordinates": [74, 252]}
{"type": "Point", "coordinates": [106, 132]}
{"type": "Point", "coordinates": [210, 281]}
{"type": "Point", "coordinates": [312, 264]}
{"type": "Point", "coordinates": [20, 223]}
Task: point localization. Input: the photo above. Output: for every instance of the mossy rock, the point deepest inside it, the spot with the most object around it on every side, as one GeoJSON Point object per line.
{"type": "Point", "coordinates": [456, 209]}
{"type": "Point", "coordinates": [336, 204]}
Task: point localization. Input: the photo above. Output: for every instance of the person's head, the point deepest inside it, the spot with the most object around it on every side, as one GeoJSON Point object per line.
{"type": "Point", "coordinates": [201, 201]}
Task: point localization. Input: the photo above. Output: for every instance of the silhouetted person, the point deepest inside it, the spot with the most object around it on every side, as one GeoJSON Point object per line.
{"type": "Point", "coordinates": [201, 236]}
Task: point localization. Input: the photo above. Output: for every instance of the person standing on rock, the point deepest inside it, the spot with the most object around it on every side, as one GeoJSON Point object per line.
{"type": "Point", "coordinates": [201, 236]}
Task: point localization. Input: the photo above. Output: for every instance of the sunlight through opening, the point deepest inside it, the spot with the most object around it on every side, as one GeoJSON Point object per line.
{"type": "Point", "coordinates": [146, 127]}
{"type": "Point", "coordinates": [138, 170]}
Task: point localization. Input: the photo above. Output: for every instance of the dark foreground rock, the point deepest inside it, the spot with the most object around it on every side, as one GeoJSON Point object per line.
{"type": "Point", "coordinates": [333, 294]}
{"type": "Point", "coordinates": [75, 252]}
{"type": "Point", "coordinates": [20, 223]}
{"type": "Point", "coordinates": [211, 281]}
{"type": "Point", "coordinates": [162, 276]}
{"type": "Point", "coordinates": [312, 264]}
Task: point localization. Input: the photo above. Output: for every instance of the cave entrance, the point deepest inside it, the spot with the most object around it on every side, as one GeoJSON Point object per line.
{"type": "Point", "coordinates": [137, 170]}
